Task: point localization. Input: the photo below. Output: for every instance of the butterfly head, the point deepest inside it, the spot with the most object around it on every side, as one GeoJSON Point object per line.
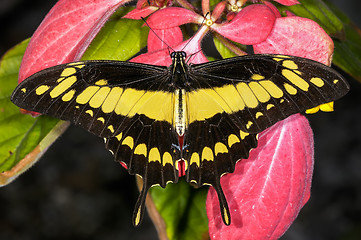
{"type": "Point", "coordinates": [178, 62]}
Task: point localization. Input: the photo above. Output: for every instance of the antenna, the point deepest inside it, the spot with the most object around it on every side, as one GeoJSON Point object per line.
{"type": "Point", "coordinates": [169, 47]}
{"type": "Point", "coordinates": [204, 18]}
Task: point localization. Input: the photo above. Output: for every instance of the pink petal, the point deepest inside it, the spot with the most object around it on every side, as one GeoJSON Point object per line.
{"type": "Point", "coordinates": [159, 57]}
{"type": "Point", "coordinates": [298, 37]}
{"type": "Point", "coordinates": [170, 37]}
{"type": "Point", "coordinates": [65, 33]}
{"type": "Point", "coordinates": [267, 190]}
{"type": "Point", "coordinates": [139, 13]}
{"type": "Point", "coordinates": [218, 10]}
{"type": "Point", "coordinates": [273, 8]}
{"type": "Point", "coordinates": [172, 17]}
{"type": "Point", "coordinates": [287, 2]}
{"type": "Point", "coordinates": [191, 47]}
{"type": "Point", "coordinates": [251, 25]}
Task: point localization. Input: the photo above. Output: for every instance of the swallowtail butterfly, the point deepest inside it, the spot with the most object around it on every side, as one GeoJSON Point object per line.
{"type": "Point", "coordinates": [207, 115]}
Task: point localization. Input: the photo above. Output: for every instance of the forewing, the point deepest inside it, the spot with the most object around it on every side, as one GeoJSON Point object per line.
{"type": "Point", "coordinates": [96, 95]}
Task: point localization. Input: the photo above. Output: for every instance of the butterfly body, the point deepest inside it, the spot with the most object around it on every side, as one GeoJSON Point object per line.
{"type": "Point", "coordinates": [215, 108]}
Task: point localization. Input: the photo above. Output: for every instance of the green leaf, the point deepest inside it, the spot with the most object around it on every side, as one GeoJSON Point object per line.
{"type": "Point", "coordinates": [347, 53]}
{"type": "Point", "coordinates": [119, 39]}
{"type": "Point", "coordinates": [19, 134]}
{"type": "Point", "coordinates": [183, 209]}
{"type": "Point", "coordinates": [318, 11]}
{"type": "Point", "coordinates": [222, 49]}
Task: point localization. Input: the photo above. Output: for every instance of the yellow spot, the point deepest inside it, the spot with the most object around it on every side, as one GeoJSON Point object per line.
{"type": "Point", "coordinates": [167, 158]}
{"type": "Point", "coordinates": [77, 64]}
{"type": "Point", "coordinates": [335, 81]}
{"type": "Point", "coordinates": [297, 72]}
{"type": "Point", "coordinates": [313, 110]}
{"type": "Point", "coordinates": [68, 96]}
{"type": "Point", "coordinates": [290, 89]}
{"type": "Point", "coordinates": [154, 155]}
{"type": "Point", "coordinates": [68, 71]}
{"type": "Point", "coordinates": [195, 159]}
{"type": "Point", "coordinates": [225, 216]}
{"type": "Point", "coordinates": [77, 107]}
{"type": "Point", "coordinates": [63, 86]}
{"type": "Point", "coordinates": [258, 114]}
{"type": "Point", "coordinates": [23, 90]}
{"type": "Point", "coordinates": [119, 136]}
{"type": "Point", "coordinates": [41, 89]}
{"type": "Point", "coordinates": [278, 59]}
{"type": "Point", "coordinates": [249, 124]}
{"type": "Point", "coordinates": [282, 56]}
{"type": "Point", "coordinates": [220, 148]}
{"type": "Point", "coordinates": [290, 64]}
{"type": "Point", "coordinates": [111, 128]}
{"type": "Point", "coordinates": [129, 142]}
{"type": "Point", "coordinates": [248, 97]}
{"type": "Point", "coordinates": [90, 112]}
{"type": "Point", "coordinates": [295, 79]}
{"type": "Point", "coordinates": [232, 139]}
{"type": "Point", "coordinates": [272, 88]}
{"type": "Point", "coordinates": [112, 99]}
{"type": "Point", "coordinates": [101, 82]}
{"type": "Point", "coordinates": [261, 94]}
{"type": "Point", "coordinates": [141, 149]}
{"type": "Point", "coordinates": [317, 81]}
{"type": "Point", "coordinates": [269, 106]}
{"type": "Point", "coordinates": [80, 65]}
{"type": "Point", "coordinates": [60, 79]}
{"type": "Point", "coordinates": [185, 165]}
{"type": "Point", "coordinates": [97, 100]}
{"type": "Point", "coordinates": [327, 107]}
{"type": "Point", "coordinates": [101, 119]}
{"type": "Point", "coordinates": [85, 96]}
{"type": "Point", "coordinates": [207, 154]}
{"type": "Point", "coordinates": [137, 218]}
{"type": "Point", "coordinates": [282, 100]}
{"type": "Point", "coordinates": [257, 77]}
{"type": "Point", "coordinates": [243, 134]}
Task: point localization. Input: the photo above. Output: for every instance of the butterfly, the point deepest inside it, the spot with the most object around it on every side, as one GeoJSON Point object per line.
{"type": "Point", "coordinates": [207, 115]}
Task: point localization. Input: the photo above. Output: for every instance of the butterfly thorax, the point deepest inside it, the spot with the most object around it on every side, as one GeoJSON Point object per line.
{"type": "Point", "coordinates": [178, 70]}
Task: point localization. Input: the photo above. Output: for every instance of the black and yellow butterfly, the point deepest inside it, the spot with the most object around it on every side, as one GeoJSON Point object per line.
{"type": "Point", "coordinates": [206, 114]}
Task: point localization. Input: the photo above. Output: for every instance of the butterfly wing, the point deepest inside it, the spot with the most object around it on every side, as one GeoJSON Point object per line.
{"type": "Point", "coordinates": [232, 100]}
{"type": "Point", "coordinates": [260, 90]}
{"type": "Point", "coordinates": [128, 104]}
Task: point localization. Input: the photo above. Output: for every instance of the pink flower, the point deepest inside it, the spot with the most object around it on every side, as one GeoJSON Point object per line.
{"type": "Point", "coordinates": [145, 8]}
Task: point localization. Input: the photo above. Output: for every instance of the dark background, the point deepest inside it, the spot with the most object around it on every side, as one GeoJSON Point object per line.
{"type": "Point", "coordinates": [77, 191]}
